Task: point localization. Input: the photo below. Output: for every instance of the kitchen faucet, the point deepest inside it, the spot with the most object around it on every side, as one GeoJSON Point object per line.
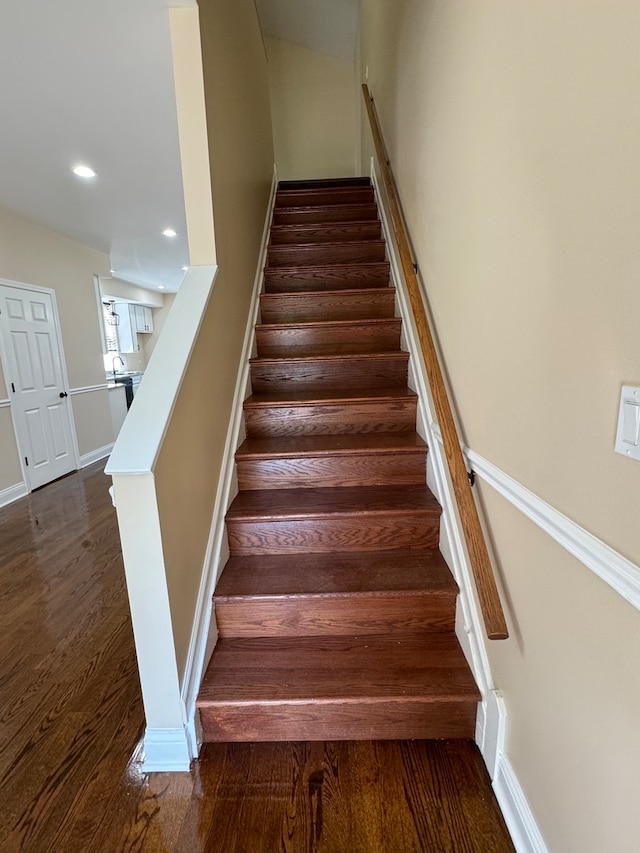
{"type": "Point", "coordinates": [113, 363]}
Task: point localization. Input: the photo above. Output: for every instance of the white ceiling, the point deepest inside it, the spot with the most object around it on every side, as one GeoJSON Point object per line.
{"type": "Point", "coordinates": [326, 26]}
{"type": "Point", "coordinates": [91, 81]}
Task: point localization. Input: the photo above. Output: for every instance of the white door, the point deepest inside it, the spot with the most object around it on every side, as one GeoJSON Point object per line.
{"type": "Point", "coordinates": [33, 370]}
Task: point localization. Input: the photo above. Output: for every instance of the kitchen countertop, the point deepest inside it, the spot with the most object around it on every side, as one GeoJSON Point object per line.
{"type": "Point", "coordinates": [111, 377]}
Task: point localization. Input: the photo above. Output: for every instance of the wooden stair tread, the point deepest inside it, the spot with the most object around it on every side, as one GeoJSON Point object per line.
{"type": "Point", "coordinates": [331, 268]}
{"type": "Point", "coordinates": [323, 305]}
{"type": "Point", "coordinates": [329, 254]}
{"type": "Point", "coordinates": [323, 195]}
{"type": "Point", "coordinates": [328, 232]}
{"type": "Point", "coordinates": [328, 395]}
{"type": "Point", "coordinates": [377, 334]}
{"type": "Point", "coordinates": [291, 504]}
{"type": "Point", "coordinates": [373, 322]}
{"type": "Point", "coordinates": [355, 212]}
{"type": "Point", "coordinates": [427, 667]}
{"type": "Point", "coordinates": [353, 292]}
{"type": "Point", "coordinates": [323, 445]}
{"type": "Point", "coordinates": [408, 572]}
{"type": "Point", "coordinates": [295, 278]}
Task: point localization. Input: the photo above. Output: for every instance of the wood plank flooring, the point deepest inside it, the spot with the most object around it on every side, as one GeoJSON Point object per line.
{"type": "Point", "coordinates": [71, 719]}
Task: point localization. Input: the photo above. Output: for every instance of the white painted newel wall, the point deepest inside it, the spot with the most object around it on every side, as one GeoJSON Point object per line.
{"type": "Point", "coordinates": [132, 465]}
{"type": "Point", "coordinates": [172, 736]}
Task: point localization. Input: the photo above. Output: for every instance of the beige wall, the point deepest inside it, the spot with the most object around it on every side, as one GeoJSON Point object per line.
{"type": "Point", "coordinates": [241, 165]}
{"type": "Point", "coordinates": [514, 133]}
{"type": "Point", "coordinates": [159, 318]}
{"type": "Point", "coordinates": [10, 473]}
{"type": "Point", "coordinates": [312, 98]}
{"type": "Point", "coordinates": [92, 417]}
{"type": "Point", "coordinates": [192, 130]}
{"type": "Point", "coordinates": [34, 255]}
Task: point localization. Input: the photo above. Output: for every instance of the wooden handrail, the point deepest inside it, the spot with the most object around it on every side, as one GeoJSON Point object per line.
{"type": "Point", "coordinates": [492, 613]}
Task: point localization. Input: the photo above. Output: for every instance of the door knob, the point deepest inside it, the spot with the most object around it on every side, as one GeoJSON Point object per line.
{"type": "Point", "coordinates": [63, 394]}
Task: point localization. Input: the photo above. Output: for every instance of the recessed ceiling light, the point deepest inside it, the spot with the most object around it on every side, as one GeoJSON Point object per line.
{"type": "Point", "coordinates": [83, 171]}
{"type": "Point", "coordinates": [169, 232]}
{"type": "Point", "coordinates": [161, 287]}
{"type": "Point", "coordinates": [112, 271]}
{"type": "Point", "coordinates": [184, 269]}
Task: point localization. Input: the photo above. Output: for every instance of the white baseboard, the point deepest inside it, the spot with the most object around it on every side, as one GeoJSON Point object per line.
{"type": "Point", "coordinates": [166, 750]}
{"type": "Point", "coordinates": [519, 818]}
{"type": "Point", "coordinates": [204, 633]}
{"type": "Point", "coordinates": [95, 455]}
{"type": "Point", "coordinates": [13, 493]}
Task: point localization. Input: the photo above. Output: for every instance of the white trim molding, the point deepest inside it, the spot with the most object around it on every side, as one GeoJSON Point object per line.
{"type": "Point", "coordinates": [4, 403]}
{"type": "Point", "coordinates": [204, 634]}
{"type": "Point", "coordinates": [95, 455]}
{"type": "Point", "coordinates": [519, 818]}
{"type": "Point", "coordinates": [86, 389]}
{"type": "Point", "coordinates": [610, 566]}
{"type": "Point", "coordinates": [165, 750]}
{"type": "Point", "coordinates": [13, 493]}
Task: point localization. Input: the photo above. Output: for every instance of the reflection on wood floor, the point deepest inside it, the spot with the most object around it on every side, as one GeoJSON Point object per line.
{"type": "Point", "coordinates": [71, 720]}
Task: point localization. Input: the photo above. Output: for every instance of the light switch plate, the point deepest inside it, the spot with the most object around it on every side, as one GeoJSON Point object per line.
{"type": "Point", "coordinates": [628, 432]}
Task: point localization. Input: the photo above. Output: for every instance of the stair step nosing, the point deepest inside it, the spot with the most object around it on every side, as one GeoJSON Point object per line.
{"type": "Point", "coordinates": [351, 223]}
{"type": "Point", "coordinates": [329, 245]}
{"type": "Point", "coordinates": [328, 401]}
{"type": "Point", "coordinates": [258, 456]}
{"type": "Point", "coordinates": [325, 324]}
{"type": "Point", "coordinates": [257, 598]}
{"type": "Point", "coordinates": [246, 517]}
{"type": "Point", "coordinates": [399, 355]}
{"type": "Point", "coordinates": [326, 294]}
{"type": "Point", "coordinates": [465, 695]}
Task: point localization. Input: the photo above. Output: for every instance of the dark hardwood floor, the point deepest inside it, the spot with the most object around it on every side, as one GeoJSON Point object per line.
{"type": "Point", "coordinates": [71, 720]}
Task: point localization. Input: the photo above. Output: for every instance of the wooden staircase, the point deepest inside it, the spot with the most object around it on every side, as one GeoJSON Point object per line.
{"type": "Point", "coordinates": [335, 610]}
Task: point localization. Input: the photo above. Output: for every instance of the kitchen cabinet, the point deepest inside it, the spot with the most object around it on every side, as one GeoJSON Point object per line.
{"type": "Point", "coordinates": [143, 318]}
{"type": "Point", "coordinates": [133, 320]}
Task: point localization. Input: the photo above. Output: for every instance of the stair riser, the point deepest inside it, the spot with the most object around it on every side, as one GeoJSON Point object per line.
{"type": "Point", "coordinates": [365, 305]}
{"type": "Point", "coordinates": [326, 253]}
{"type": "Point", "coordinates": [374, 532]}
{"type": "Point", "coordinates": [327, 233]}
{"type": "Point", "coordinates": [332, 418]}
{"type": "Point", "coordinates": [383, 335]}
{"type": "Point", "coordinates": [300, 616]}
{"type": "Point", "coordinates": [391, 720]}
{"type": "Point", "coordinates": [357, 373]}
{"type": "Point", "coordinates": [312, 198]}
{"type": "Point", "coordinates": [373, 469]}
{"type": "Point", "coordinates": [299, 279]}
{"type": "Point", "coordinates": [328, 213]}
{"type": "Point", "coordinates": [323, 184]}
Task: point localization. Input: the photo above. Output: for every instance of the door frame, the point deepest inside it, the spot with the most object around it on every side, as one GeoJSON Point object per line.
{"type": "Point", "coordinates": [34, 288]}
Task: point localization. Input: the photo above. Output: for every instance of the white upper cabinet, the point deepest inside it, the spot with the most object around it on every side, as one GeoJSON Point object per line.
{"type": "Point", "coordinates": [132, 320]}
{"type": "Point", "coordinates": [143, 318]}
